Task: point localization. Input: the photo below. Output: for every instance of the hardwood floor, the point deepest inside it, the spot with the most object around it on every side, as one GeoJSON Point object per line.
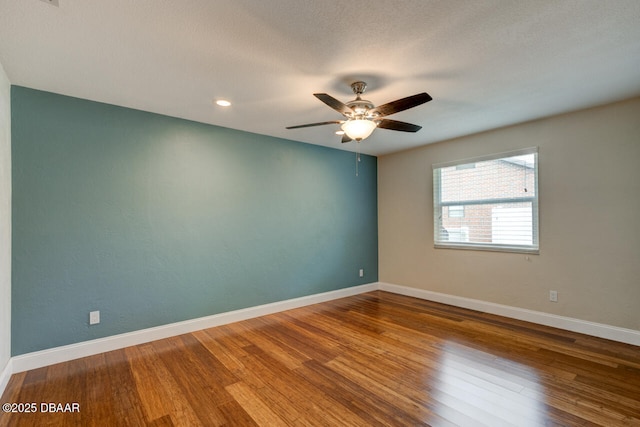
{"type": "Point", "coordinates": [375, 359]}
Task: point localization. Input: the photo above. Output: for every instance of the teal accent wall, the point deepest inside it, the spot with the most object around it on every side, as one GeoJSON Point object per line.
{"type": "Point", "coordinates": [152, 219]}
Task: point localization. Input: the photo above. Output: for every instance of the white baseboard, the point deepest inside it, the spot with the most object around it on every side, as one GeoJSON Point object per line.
{"type": "Point", "coordinates": [5, 376]}
{"type": "Point", "coordinates": [65, 353]}
{"type": "Point", "coordinates": [628, 336]}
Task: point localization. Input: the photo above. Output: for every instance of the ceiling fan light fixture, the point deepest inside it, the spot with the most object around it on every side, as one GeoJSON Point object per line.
{"type": "Point", "coordinates": [358, 129]}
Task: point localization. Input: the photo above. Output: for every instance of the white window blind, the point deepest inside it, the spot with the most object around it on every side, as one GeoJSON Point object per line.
{"type": "Point", "coordinates": [488, 203]}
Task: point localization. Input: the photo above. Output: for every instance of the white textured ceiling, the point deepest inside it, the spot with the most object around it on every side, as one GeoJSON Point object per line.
{"type": "Point", "coordinates": [487, 64]}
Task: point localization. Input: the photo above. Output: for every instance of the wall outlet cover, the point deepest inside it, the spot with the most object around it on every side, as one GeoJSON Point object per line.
{"type": "Point", "coordinates": [94, 317]}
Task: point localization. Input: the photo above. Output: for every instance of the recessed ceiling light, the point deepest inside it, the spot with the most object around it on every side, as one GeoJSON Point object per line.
{"type": "Point", "coordinates": [223, 102]}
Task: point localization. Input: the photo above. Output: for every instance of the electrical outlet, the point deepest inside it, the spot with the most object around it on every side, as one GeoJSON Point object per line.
{"type": "Point", "coordinates": [553, 296]}
{"type": "Point", "coordinates": [361, 272]}
{"type": "Point", "coordinates": [94, 317]}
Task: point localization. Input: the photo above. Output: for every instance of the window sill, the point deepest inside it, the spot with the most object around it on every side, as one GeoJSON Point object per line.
{"type": "Point", "coordinates": [488, 248]}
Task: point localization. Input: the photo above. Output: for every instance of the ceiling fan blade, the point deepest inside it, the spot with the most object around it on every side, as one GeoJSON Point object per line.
{"type": "Point", "coordinates": [401, 104]}
{"type": "Point", "coordinates": [345, 138]}
{"type": "Point", "coordinates": [333, 122]}
{"type": "Point", "coordinates": [337, 105]}
{"type": "Point", "coordinates": [396, 125]}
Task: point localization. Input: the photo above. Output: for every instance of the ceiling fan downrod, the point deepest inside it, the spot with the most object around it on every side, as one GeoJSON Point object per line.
{"type": "Point", "coordinates": [358, 88]}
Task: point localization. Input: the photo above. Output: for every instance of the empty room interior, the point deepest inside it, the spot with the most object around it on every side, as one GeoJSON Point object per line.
{"type": "Point", "coordinates": [323, 213]}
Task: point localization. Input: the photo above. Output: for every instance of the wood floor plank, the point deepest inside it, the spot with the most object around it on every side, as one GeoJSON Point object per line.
{"type": "Point", "coordinates": [263, 338]}
{"type": "Point", "coordinates": [371, 409]}
{"type": "Point", "coordinates": [126, 400]}
{"type": "Point", "coordinates": [164, 421]}
{"type": "Point", "coordinates": [200, 391]}
{"type": "Point", "coordinates": [255, 407]}
{"type": "Point", "coordinates": [297, 388]}
{"type": "Point", "coordinates": [374, 359]}
{"type": "Point", "coordinates": [156, 386]}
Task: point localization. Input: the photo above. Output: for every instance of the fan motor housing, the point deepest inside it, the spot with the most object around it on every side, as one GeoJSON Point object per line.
{"type": "Point", "coordinates": [360, 107]}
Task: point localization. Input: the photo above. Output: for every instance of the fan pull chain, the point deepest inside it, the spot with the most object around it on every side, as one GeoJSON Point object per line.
{"type": "Point", "coordinates": [357, 157]}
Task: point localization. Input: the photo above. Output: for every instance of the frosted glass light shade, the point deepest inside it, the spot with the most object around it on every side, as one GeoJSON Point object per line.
{"type": "Point", "coordinates": [358, 129]}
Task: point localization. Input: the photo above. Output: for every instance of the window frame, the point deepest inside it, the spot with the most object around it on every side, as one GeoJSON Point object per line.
{"type": "Point", "coordinates": [534, 248]}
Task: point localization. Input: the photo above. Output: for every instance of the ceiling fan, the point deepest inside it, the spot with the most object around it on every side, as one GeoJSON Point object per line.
{"type": "Point", "coordinates": [362, 117]}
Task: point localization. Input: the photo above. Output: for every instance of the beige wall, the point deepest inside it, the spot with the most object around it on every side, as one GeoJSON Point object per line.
{"type": "Point", "coordinates": [589, 184]}
{"type": "Point", "coordinates": [5, 219]}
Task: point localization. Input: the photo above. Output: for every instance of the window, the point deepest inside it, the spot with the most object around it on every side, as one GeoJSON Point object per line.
{"type": "Point", "coordinates": [488, 203]}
